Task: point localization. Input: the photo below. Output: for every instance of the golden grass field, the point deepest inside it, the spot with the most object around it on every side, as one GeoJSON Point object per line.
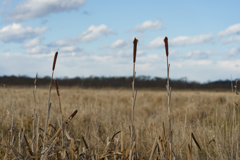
{"type": "Point", "coordinates": [213, 118]}
{"type": "Point", "coordinates": [110, 124]}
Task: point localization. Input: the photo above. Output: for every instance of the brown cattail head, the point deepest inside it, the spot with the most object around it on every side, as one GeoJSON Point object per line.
{"type": "Point", "coordinates": [166, 45]}
{"type": "Point", "coordinates": [56, 84]}
{"type": "Point", "coordinates": [35, 81]}
{"type": "Point", "coordinates": [54, 61]}
{"type": "Point", "coordinates": [70, 118]}
{"type": "Point", "coordinates": [135, 41]}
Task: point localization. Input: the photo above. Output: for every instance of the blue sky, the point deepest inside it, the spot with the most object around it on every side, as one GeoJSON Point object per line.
{"type": "Point", "coordinates": [95, 38]}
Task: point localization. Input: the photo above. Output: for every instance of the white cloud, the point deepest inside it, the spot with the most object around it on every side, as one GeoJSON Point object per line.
{"type": "Point", "coordinates": [147, 25]}
{"type": "Point", "coordinates": [149, 64]}
{"type": "Point", "coordinates": [118, 44]}
{"type": "Point", "coordinates": [187, 40]}
{"type": "Point", "coordinates": [181, 41]}
{"type": "Point", "coordinates": [231, 39]}
{"type": "Point", "coordinates": [60, 43]}
{"type": "Point", "coordinates": [156, 43]}
{"type": "Point", "coordinates": [31, 9]}
{"type": "Point", "coordinates": [234, 29]}
{"type": "Point", "coordinates": [70, 49]}
{"type": "Point", "coordinates": [5, 2]}
{"type": "Point", "coordinates": [94, 32]}
{"type": "Point", "coordinates": [91, 34]}
{"type": "Point", "coordinates": [17, 33]}
{"type": "Point", "coordinates": [39, 49]}
{"type": "Point", "coordinates": [199, 54]}
{"type": "Point", "coordinates": [32, 43]}
{"type": "Point", "coordinates": [234, 52]}
{"type": "Point", "coordinates": [35, 47]}
{"type": "Point", "coordinates": [44, 50]}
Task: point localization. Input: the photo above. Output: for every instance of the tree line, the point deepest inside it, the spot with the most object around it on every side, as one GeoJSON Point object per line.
{"type": "Point", "coordinates": [119, 82]}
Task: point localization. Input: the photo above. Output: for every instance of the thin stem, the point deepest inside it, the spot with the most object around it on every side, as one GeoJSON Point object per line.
{"type": "Point", "coordinates": [169, 99]}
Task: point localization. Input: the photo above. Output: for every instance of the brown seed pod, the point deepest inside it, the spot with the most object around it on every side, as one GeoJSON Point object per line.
{"type": "Point", "coordinates": [135, 41]}
{"type": "Point", "coordinates": [54, 61]}
{"type": "Point", "coordinates": [70, 118]}
{"type": "Point", "coordinates": [166, 45]}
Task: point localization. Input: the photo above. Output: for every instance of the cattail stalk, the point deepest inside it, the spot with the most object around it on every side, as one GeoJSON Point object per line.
{"type": "Point", "coordinates": [135, 41]}
{"type": "Point", "coordinates": [132, 130]}
{"type": "Point", "coordinates": [49, 95]}
{"type": "Point", "coordinates": [34, 113]}
{"type": "Point", "coordinates": [169, 99]}
{"type": "Point", "coordinates": [57, 89]}
{"type": "Point", "coordinates": [37, 134]}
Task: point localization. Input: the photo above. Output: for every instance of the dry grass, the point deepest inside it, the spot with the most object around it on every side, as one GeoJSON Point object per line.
{"type": "Point", "coordinates": [109, 124]}
{"type": "Point", "coordinates": [102, 113]}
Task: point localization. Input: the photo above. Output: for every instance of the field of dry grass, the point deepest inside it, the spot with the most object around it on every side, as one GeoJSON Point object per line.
{"type": "Point", "coordinates": [212, 117]}
{"type": "Point", "coordinates": [118, 123]}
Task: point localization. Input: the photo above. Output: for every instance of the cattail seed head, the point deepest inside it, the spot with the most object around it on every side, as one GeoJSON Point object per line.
{"type": "Point", "coordinates": [35, 81]}
{"type": "Point", "coordinates": [54, 61]}
{"type": "Point", "coordinates": [57, 89]}
{"type": "Point", "coordinates": [70, 118]}
{"type": "Point", "coordinates": [135, 41]}
{"type": "Point", "coordinates": [166, 45]}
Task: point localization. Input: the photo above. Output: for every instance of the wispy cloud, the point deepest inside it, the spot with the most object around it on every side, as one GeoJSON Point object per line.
{"type": "Point", "coordinates": [234, 29]}
{"type": "Point", "coordinates": [120, 43]}
{"type": "Point", "coordinates": [32, 43]}
{"type": "Point", "coordinates": [156, 43]}
{"type": "Point", "coordinates": [199, 54]}
{"type": "Point", "coordinates": [18, 33]}
{"type": "Point", "coordinates": [31, 9]}
{"type": "Point", "coordinates": [231, 39]}
{"type": "Point", "coordinates": [5, 2]}
{"type": "Point", "coordinates": [39, 49]}
{"type": "Point", "coordinates": [181, 41]}
{"type": "Point", "coordinates": [234, 52]}
{"type": "Point", "coordinates": [147, 25]}
{"type": "Point", "coordinates": [35, 47]}
{"type": "Point", "coordinates": [91, 34]}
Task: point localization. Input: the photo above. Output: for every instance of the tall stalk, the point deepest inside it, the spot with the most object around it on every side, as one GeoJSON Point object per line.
{"type": "Point", "coordinates": [34, 113]}
{"type": "Point", "coordinates": [133, 135]}
{"type": "Point", "coordinates": [60, 109]}
{"type": "Point", "coordinates": [169, 99]}
{"type": "Point", "coordinates": [135, 41]}
{"type": "Point", "coordinates": [49, 104]}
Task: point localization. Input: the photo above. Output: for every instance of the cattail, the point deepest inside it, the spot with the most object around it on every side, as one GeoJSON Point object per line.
{"type": "Point", "coordinates": [35, 81]}
{"type": "Point", "coordinates": [166, 45]}
{"type": "Point", "coordinates": [54, 61]}
{"type": "Point", "coordinates": [135, 41]}
{"type": "Point", "coordinates": [70, 118]}
{"type": "Point", "coordinates": [57, 89]}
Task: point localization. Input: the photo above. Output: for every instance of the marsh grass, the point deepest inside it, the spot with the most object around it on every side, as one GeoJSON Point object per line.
{"type": "Point", "coordinates": [104, 112]}
{"type": "Point", "coordinates": [118, 123]}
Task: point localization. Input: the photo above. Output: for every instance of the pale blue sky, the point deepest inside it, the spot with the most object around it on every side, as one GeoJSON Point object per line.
{"type": "Point", "coordinates": [95, 38]}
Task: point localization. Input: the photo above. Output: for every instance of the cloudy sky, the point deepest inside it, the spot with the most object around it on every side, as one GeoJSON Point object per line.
{"type": "Point", "coordinates": [95, 38]}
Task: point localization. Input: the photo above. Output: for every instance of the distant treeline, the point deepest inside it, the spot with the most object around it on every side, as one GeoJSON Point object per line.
{"type": "Point", "coordinates": [117, 82]}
